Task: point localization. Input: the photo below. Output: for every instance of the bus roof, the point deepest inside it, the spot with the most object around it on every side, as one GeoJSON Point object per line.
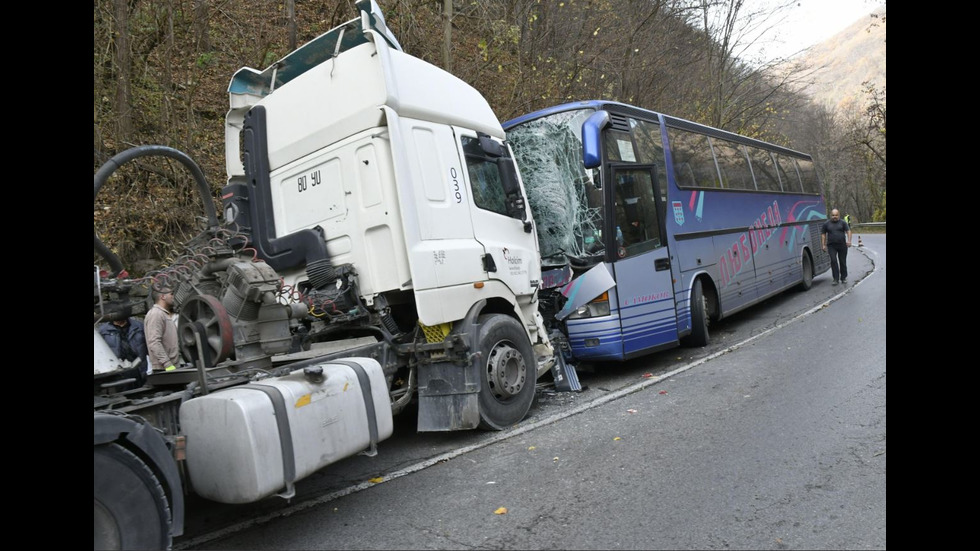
{"type": "Point", "coordinates": [646, 113]}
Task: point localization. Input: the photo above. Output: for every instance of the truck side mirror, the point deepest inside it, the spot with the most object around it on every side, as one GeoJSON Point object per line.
{"type": "Point", "coordinates": [490, 148]}
{"type": "Point", "coordinates": [512, 188]}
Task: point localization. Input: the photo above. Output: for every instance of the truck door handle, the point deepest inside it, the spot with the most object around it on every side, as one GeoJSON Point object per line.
{"type": "Point", "coordinates": [661, 264]}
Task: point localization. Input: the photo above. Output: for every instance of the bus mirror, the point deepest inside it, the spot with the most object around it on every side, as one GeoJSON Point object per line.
{"type": "Point", "coordinates": [591, 129]}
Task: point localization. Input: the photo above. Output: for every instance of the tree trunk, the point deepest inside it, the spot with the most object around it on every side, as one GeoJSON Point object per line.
{"type": "Point", "coordinates": [447, 40]}
{"type": "Point", "coordinates": [123, 107]}
{"type": "Point", "coordinates": [291, 22]}
{"type": "Point", "coordinates": [202, 25]}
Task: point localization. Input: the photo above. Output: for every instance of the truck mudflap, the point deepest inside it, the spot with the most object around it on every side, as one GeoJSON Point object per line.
{"type": "Point", "coordinates": [448, 397]}
{"type": "Point", "coordinates": [449, 394]}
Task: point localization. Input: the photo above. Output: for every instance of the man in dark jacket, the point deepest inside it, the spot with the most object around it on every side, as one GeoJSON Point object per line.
{"type": "Point", "coordinates": [835, 237]}
{"type": "Point", "coordinates": [125, 338]}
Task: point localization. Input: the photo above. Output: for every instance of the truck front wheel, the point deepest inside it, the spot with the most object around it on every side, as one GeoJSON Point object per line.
{"type": "Point", "coordinates": [508, 372]}
{"type": "Point", "coordinates": [131, 509]}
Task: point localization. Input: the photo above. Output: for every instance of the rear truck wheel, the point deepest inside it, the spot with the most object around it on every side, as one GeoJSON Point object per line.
{"type": "Point", "coordinates": [131, 510]}
{"type": "Point", "coordinates": [508, 372]}
{"type": "Point", "coordinates": [699, 317]}
{"type": "Point", "coordinates": [807, 265]}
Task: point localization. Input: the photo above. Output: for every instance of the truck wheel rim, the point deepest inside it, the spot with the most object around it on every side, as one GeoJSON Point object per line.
{"type": "Point", "coordinates": [506, 371]}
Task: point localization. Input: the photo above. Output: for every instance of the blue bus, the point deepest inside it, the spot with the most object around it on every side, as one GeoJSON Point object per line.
{"type": "Point", "coordinates": [651, 227]}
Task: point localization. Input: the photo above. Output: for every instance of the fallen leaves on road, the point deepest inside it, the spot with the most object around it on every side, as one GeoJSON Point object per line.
{"type": "Point", "coordinates": [501, 511]}
{"type": "Point", "coordinates": [663, 392]}
{"type": "Point", "coordinates": [647, 375]}
{"type": "Point", "coordinates": [377, 480]}
{"type": "Point", "coordinates": [617, 438]}
{"type": "Point", "coordinates": [531, 448]}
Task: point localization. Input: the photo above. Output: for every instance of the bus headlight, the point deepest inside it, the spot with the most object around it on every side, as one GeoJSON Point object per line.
{"type": "Point", "coordinates": [599, 306]}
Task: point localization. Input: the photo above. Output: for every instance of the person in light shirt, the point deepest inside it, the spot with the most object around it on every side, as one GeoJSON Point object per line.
{"type": "Point", "coordinates": [161, 332]}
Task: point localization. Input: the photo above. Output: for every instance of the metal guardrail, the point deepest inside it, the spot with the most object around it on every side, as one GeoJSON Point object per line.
{"type": "Point", "coordinates": [869, 225]}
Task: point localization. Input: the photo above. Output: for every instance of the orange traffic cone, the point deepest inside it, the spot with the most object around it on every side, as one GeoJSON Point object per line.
{"type": "Point", "coordinates": [859, 242]}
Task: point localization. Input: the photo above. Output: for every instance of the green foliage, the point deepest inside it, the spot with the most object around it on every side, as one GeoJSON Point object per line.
{"type": "Point", "coordinates": [270, 57]}
{"type": "Point", "coordinates": [879, 214]}
{"type": "Point", "coordinates": [205, 59]}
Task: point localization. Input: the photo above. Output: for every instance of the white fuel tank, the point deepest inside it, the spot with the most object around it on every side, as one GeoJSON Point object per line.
{"type": "Point", "coordinates": [248, 442]}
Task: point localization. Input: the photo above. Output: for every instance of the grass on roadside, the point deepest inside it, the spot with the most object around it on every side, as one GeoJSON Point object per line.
{"type": "Point", "coordinates": [868, 229]}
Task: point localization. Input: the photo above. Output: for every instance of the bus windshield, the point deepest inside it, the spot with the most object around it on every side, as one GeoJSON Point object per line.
{"type": "Point", "coordinates": [564, 198]}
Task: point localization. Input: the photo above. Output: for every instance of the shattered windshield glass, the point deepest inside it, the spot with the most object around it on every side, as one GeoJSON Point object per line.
{"type": "Point", "coordinates": [566, 205]}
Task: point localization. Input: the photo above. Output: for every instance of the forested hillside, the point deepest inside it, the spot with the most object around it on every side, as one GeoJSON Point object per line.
{"type": "Point", "coordinates": [846, 61]}
{"type": "Point", "coordinates": [162, 67]}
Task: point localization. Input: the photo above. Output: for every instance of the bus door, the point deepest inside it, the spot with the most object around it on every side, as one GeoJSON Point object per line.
{"type": "Point", "coordinates": [644, 288]}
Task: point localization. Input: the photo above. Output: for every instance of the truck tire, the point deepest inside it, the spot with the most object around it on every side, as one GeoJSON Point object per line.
{"type": "Point", "coordinates": [131, 509]}
{"type": "Point", "coordinates": [508, 372]}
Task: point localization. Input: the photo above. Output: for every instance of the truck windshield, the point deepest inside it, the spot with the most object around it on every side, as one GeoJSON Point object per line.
{"type": "Point", "coordinates": [566, 205]}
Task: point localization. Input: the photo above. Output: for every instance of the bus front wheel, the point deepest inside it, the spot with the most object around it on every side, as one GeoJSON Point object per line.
{"type": "Point", "coordinates": [699, 317]}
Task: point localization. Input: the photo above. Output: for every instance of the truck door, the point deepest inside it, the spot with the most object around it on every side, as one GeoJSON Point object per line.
{"type": "Point", "coordinates": [644, 286]}
{"type": "Point", "coordinates": [502, 221]}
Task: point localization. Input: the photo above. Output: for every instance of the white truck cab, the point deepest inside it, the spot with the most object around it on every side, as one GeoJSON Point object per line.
{"type": "Point", "coordinates": [400, 169]}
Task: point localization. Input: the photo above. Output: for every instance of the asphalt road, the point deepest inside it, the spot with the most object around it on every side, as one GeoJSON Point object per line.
{"type": "Point", "coordinates": [771, 437]}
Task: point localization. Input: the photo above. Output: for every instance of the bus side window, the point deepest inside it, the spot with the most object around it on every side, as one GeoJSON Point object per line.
{"type": "Point", "coordinates": [650, 149]}
{"type": "Point", "coordinates": [764, 170]}
{"type": "Point", "coordinates": [619, 146]}
{"type": "Point", "coordinates": [733, 164]}
{"type": "Point", "coordinates": [694, 150]}
{"type": "Point", "coordinates": [809, 176]}
{"type": "Point", "coordinates": [636, 211]}
{"type": "Point", "coordinates": [684, 174]}
{"type": "Point", "coordinates": [725, 182]}
{"type": "Point", "coordinates": [787, 173]}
